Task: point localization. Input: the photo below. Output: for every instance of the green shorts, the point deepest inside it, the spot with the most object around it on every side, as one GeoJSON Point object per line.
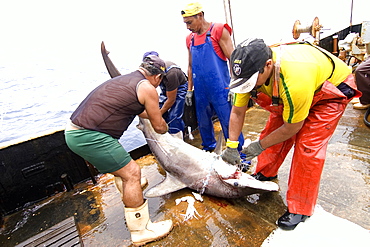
{"type": "Point", "coordinates": [100, 149]}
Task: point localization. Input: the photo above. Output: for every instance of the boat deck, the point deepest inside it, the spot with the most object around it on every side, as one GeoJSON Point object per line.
{"type": "Point", "coordinates": [64, 234]}
{"type": "Point", "coordinates": [248, 221]}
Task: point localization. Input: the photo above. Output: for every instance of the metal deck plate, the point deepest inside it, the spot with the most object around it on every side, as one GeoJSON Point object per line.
{"type": "Point", "coordinates": [63, 234]}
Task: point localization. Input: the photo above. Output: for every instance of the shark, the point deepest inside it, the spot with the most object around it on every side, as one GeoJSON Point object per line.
{"type": "Point", "coordinates": [187, 166]}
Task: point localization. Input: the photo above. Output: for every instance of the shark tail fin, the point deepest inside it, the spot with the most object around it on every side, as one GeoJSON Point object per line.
{"type": "Point", "coordinates": [112, 70]}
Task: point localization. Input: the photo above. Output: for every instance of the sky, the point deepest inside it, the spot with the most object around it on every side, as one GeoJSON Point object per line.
{"type": "Point", "coordinates": [68, 33]}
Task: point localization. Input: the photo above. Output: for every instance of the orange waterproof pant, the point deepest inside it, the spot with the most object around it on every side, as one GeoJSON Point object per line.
{"type": "Point", "coordinates": [310, 145]}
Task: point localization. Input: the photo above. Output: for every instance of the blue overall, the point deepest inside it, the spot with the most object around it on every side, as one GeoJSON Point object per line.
{"type": "Point", "coordinates": [211, 87]}
{"type": "Point", "coordinates": [173, 116]}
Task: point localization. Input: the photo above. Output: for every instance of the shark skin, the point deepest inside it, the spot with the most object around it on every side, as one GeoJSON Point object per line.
{"type": "Point", "coordinates": [187, 166]}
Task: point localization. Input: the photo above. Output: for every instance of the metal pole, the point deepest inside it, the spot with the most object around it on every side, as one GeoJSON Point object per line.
{"type": "Point", "coordinates": [229, 19]}
{"type": "Point", "coordinates": [350, 21]}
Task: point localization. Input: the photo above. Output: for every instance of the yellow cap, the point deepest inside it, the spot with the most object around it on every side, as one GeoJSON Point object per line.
{"type": "Point", "coordinates": [191, 9]}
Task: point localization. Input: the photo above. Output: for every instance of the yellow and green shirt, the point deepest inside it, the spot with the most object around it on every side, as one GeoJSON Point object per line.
{"type": "Point", "coordinates": [303, 71]}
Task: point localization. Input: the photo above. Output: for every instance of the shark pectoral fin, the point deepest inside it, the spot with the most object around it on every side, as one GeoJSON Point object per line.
{"type": "Point", "coordinates": [169, 185]}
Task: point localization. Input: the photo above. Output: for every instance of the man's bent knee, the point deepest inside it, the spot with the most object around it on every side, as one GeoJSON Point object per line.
{"type": "Point", "coordinates": [131, 171]}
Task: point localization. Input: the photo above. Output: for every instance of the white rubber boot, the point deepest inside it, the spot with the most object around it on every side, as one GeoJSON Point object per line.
{"type": "Point", "coordinates": [118, 183]}
{"type": "Point", "coordinates": [142, 229]}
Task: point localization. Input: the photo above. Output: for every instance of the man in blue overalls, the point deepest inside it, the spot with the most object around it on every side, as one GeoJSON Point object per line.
{"type": "Point", "coordinates": [209, 45]}
{"type": "Point", "coordinates": [172, 96]}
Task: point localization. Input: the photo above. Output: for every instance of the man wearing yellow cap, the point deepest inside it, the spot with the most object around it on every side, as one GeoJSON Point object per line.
{"type": "Point", "coordinates": [209, 46]}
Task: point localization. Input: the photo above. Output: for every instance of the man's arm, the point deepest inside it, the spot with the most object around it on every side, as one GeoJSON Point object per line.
{"type": "Point", "coordinates": [226, 44]}
{"type": "Point", "coordinates": [283, 133]}
{"type": "Point", "coordinates": [148, 96]}
{"type": "Point", "coordinates": [190, 71]}
{"type": "Point", "coordinates": [171, 98]}
{"type": "Point", "coordinates": [236, 123]}
{"type": "Point", "coordinates": [231, 154]}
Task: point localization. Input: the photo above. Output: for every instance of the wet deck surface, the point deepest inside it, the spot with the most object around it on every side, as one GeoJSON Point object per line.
{"type": "Point", "coordinates": [247, 221]}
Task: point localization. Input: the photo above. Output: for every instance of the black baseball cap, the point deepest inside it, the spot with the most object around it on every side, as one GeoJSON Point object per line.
{"type": "Point", "coordinates": [247, 60]}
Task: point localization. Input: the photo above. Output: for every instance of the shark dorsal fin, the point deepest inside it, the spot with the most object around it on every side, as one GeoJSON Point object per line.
{"type": "Point", "coordinates": [169, 185]}
{"type": "Point", "coordinates": [219, 143]}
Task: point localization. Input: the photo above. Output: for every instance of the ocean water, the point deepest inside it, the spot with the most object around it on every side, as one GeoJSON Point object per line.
{"type": "Point", "coordinates": [38, 98]}
{"type": "Point", "coordinates": [50, 57]}
{"type": "Point", "coordinates": [50, 50]}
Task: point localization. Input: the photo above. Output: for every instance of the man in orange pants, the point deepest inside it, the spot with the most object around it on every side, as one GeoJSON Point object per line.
{"type": "Point", "coordinates": [312, 90]}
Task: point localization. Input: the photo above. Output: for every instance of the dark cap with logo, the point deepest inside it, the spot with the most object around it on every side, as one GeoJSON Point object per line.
{"type": "Point", "coordinates": [247, 60]}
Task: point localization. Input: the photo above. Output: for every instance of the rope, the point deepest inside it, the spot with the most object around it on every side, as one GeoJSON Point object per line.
{"type": "Point", "coordinates": [366, 116]}
{"type": "Point", "coordinates": [206, 180]}
{"type": "Point", "coordinates": [168, 143]}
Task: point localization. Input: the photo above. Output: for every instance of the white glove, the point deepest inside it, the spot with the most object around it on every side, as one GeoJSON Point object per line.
{"type": "Point", "coordinates": [188, 98]}
{"type": "Point", "coordinates": [230, 97]}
